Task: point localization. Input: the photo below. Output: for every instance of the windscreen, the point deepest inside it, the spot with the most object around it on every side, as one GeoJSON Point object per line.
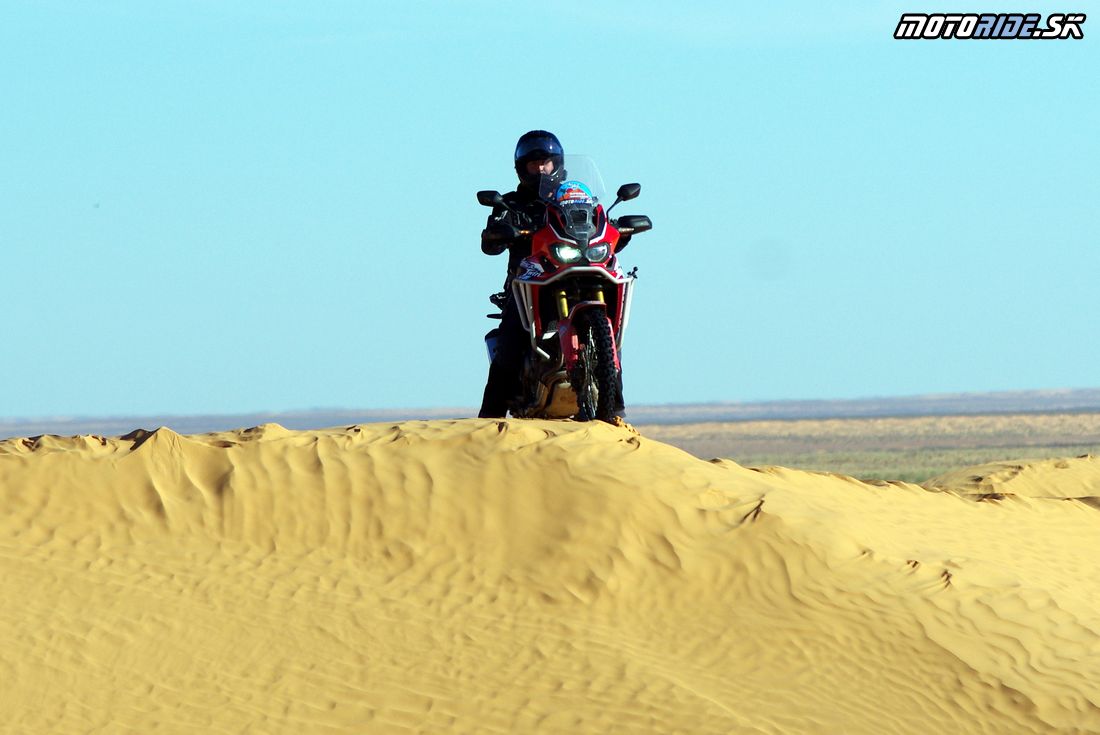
{"type": "Point", "coordinates": [575, 197]}
{"type": "Point", "coordinates": [576, 207]}
{"type": "Point", "coordinates": [577, 168]}
{"type": "Point", "coordinates": [583, 168]}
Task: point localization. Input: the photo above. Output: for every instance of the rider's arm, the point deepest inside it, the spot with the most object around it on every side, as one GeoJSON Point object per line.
{"type": "Point", "coordinates": [498, 233]}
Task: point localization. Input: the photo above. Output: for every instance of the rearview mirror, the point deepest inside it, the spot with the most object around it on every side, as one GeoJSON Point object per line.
{"type": "Point", "coordinates": [627, 192]}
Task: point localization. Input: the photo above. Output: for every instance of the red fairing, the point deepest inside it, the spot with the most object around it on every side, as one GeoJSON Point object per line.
{"type": "Point", "coordinates": [542, 243]}
{"type": "Point", "coordinates": [547, 235]}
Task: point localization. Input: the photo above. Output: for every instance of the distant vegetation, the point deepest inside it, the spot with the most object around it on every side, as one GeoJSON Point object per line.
{"type": "Point", "coordinates": [911, 465]}
{"type": "Point", "coordinates": [912, 449]}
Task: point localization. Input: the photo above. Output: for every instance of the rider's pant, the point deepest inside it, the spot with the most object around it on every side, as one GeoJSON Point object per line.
{"type": "Point", "coordinates": [503, 384]}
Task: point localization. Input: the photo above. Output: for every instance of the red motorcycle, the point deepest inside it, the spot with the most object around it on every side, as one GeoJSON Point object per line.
{"type": "Point", "coordinates": [574, 302]}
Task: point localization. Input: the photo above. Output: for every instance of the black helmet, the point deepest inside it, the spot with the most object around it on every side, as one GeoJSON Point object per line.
{"type": "Point", "coordinates": [539, 145]}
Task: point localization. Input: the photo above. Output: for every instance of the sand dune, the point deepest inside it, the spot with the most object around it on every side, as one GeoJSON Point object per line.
{"type": "Point", "coordinates": [523, 576]}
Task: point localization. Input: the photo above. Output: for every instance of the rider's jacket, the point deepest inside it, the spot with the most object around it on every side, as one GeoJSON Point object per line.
{"type": "Point", "coordinates": [500, 231]}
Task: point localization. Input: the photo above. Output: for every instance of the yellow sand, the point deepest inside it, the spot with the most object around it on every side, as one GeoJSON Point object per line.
{"type": "Point", "coordinates": [525, 576]}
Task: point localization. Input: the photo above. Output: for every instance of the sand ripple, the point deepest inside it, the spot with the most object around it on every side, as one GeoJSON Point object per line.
{"type": "Point", "coordinates": [522, 576]}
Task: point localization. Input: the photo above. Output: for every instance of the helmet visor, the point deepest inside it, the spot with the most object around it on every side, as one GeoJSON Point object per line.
{"type": "Point", "coordinates": [540, 148]}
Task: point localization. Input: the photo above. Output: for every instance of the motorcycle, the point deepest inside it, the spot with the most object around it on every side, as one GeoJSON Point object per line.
{"type": "Point", "coordinates": [574, 301]}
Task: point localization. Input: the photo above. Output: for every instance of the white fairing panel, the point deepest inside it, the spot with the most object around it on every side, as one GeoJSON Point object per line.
{"type": "Point", "coordinates": [532, 272]}
{"type": "Point", "coordinates": [628, 292]}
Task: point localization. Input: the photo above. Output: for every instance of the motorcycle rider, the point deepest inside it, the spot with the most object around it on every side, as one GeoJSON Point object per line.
{"type": "Point", "coordinates": [540, 167]}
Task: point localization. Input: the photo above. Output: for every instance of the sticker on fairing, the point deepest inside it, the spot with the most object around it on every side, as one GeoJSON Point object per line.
{"type": "Point", "coordinates": [531, 268]}
{"type": "Point", "coordinates": [573, 192]}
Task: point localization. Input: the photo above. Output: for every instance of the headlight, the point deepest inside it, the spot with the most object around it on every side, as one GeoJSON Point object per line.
{"type": "Point", "coordinates": [567, 253]}
{"type": "Point", "coordinates": [597, 253]}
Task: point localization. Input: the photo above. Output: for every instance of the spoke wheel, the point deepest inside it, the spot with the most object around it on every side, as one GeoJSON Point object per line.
{"type": "Point", "coordinates": [595, 378]}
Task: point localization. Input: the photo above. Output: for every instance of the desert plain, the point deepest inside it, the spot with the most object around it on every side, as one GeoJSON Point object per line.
{"type": "Point", "coordinates": [913, 448]}
{"type": "Point", "coordinates": [509, 576]}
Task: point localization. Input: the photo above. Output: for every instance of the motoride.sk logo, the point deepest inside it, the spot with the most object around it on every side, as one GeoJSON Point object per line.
{"type": "Point", "coordinates": [967, 26]}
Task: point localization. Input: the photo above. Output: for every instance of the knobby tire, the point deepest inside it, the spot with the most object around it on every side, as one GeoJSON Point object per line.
{"type": "Point", "coordinates": [595, 374]}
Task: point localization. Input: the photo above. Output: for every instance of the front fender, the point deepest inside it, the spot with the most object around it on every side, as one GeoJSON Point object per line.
{"type": "Point", "coordinates": [567, 333]}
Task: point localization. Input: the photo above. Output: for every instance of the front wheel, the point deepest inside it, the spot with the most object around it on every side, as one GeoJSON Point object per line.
{"type": "Point", "coordinates": [595, 378]}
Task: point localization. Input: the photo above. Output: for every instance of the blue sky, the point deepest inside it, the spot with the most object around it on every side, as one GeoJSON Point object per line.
{"type": "Point", "coordinates": [213, 207]}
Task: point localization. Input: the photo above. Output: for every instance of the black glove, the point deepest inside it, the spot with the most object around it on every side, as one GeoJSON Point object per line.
{"type": "Point", "coordinates": [497, 236]}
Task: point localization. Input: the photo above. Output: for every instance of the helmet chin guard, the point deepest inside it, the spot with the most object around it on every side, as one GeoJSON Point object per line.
{"type": "Point", "coordinates": [546, 185]}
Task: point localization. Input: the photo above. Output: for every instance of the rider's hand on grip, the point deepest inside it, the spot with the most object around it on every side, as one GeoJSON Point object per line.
{"type": "Point", "coordinates": [495, 237]}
